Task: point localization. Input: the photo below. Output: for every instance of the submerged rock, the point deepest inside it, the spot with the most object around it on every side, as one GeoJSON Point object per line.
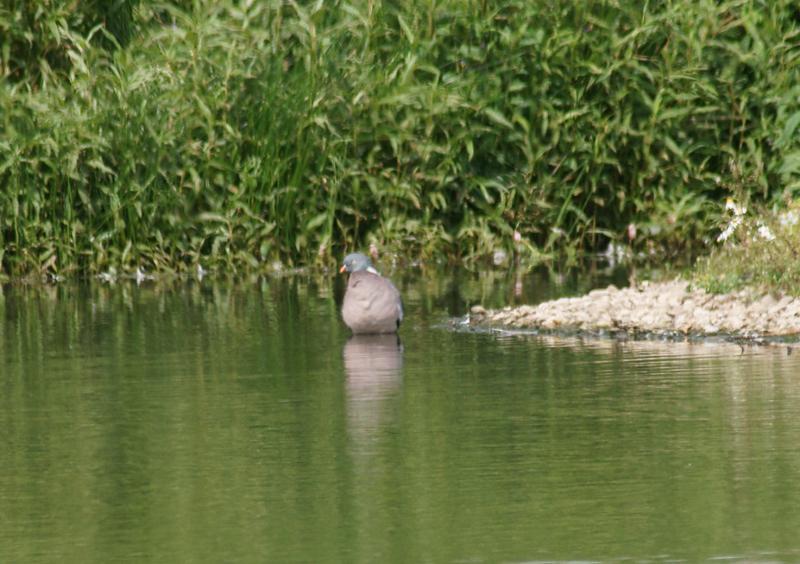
{"type": "Point", "coordinates": [667, 308]}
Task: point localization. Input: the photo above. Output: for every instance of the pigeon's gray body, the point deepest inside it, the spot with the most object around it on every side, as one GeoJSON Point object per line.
{"type": "Point", "coordinates": [371, 304]}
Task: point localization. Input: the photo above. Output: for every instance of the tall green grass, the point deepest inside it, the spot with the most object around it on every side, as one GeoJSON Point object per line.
{"type": "Point", "coordinates": [235, 133]}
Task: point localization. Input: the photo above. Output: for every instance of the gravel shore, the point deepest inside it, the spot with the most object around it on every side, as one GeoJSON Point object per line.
{"type": "Point", "coordinates": [665, 308]}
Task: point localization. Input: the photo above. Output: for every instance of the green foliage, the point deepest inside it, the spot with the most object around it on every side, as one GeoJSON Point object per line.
{"type": "Point", "coordinates": [235, 133]}
{"type": "Point", "coordinates": [37, 37]}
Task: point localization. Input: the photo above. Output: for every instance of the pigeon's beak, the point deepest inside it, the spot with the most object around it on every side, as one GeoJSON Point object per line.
{"type": "Point", "coordinates": [343, 268]}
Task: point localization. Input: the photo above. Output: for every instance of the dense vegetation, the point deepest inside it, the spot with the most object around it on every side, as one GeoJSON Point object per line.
{"type": "Point", "coordinates": [235, 133]}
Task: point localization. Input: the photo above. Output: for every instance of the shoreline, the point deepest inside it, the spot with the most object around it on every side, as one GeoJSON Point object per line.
{"type": "Point", "coordinates": [672, 310]}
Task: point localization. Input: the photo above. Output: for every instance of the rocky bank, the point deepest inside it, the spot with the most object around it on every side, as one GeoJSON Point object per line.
{"type": "Point", "coordinates": [666, 308]}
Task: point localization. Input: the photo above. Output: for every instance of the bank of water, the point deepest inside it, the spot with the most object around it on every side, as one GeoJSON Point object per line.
{"type": "Point", "coordinates": [672, 309]}
{"type": "Point", "coordinates": [238, 422]}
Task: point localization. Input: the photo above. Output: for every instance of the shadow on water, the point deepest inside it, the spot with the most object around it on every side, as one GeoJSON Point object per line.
{"type": "Point", "coordinates": [373, 366]}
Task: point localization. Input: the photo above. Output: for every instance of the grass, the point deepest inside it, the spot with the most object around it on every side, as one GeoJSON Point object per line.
{"type": "Point", "coordinates": [234, 134]}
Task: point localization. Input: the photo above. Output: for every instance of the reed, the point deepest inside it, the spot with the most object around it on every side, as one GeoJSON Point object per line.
{"type": "Point", "coordinates": [234, 134]}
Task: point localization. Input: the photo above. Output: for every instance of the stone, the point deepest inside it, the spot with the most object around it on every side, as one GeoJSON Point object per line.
{"type": "Point", "coordinates": [657, 308]}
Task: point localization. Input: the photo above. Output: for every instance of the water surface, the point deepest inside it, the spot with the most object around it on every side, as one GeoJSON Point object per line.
{"type": "Point", "coordinates": [238, 422]}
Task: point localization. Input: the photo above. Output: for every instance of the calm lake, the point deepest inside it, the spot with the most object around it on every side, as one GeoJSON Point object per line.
{"type": "Point", "coordinates": [238, 422]}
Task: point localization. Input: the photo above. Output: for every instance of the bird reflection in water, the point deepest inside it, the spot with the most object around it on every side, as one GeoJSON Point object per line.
{"type": "Point", "coordinates": [373, 364]}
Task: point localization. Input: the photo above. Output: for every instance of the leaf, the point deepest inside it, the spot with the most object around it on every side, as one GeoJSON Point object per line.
{"type": "Point", "coordinates": [788, 129]}
{"type": "Point", "coordinates": [790, 164]}
{"type": "Point", "coordinates": [407, 30]}
{"type": "Point", "coordinates": [316, 221]}
{"type": "Point", "coordinates": [209, 216]}
{"type": "Point", "coordinates": [101, 166]}
{"type": "Point", "coordinates": [498, 118]}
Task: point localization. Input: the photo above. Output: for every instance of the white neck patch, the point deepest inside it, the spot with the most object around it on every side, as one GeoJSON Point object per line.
{"type": "Point", "coordinates": [372, 270]}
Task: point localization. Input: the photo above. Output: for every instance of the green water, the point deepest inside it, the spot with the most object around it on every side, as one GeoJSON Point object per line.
{"type": "Point", "coordinates": [222, 422]}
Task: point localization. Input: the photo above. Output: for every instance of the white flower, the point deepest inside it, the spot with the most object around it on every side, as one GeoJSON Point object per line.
{"type": "Point", "coordinates": [730, 228]}
{"type": "Point", "coordinates": [730, 205]}
{"type": "Point", "coordinates": [735, 222]}
{"type": "Point", "coordinates": [788, 218]}
{"type": "Point", "coordinates": [765, 233]}
{"type": "Point", "coordinates": [727, 232]}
